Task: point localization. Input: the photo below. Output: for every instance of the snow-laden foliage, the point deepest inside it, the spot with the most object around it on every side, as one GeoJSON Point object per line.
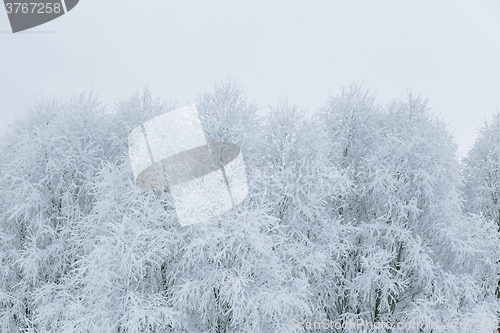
{"type": "Point", "coordinates": [482, 178]}
{"type": "Point", "coordinates": [482, 171]}
{"type": "Point", "coordinates": [411, 237]}
{"type": "Point", "coordinates": [353, 213]}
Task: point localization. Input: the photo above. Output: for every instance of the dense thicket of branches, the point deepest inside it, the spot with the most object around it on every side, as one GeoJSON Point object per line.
{"type": "Point", "coordinates": [359, 211]}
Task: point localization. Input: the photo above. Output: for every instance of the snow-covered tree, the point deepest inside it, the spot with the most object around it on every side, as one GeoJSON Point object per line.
{"type": "Point", "coordinates": [444, 258]}
{"type": "Point", "coordinates": [482, 171]}
{"type": "Point", "coordinates": [482, 175]}
{"type": "Point", "coordinates": [233, 276]}
{"type": "Point", "coordinates": [48, 160]}
{"type": "Point", "coordinates": [299, 185]}
{"type": "Point", "coordinates": [353, 213]}
{"type": "Point", "coordinates": [416, 257]}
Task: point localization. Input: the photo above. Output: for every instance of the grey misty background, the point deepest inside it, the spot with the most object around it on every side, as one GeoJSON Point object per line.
{"type": "Point", "coordinates": [446, 50]}
{"type": "Point", "coordinates": [366, 201]}
{"type": "Point", "coordinates": [360, 211]}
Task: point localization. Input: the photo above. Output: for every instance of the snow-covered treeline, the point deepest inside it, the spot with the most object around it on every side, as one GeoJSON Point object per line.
{"type": "Point", "coordinates": [358, 212]}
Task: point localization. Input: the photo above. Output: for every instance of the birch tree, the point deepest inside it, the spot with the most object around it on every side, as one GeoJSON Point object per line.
{"type": "Point", "coordinates": [48, 159]}
{"type": "Point", "coordinates": [416, 257]}
{"type": "Point", "coordinates": [482, 176]}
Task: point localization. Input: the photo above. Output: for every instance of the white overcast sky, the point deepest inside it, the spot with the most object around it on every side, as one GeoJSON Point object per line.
{"type": "Point", "coordinates": [449, 51]}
